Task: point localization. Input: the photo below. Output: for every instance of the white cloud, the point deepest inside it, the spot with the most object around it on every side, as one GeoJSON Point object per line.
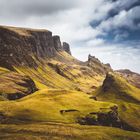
{"type": "Point", "coordinates": [123, 19]}
{"type": "Point", "coordinates": [120, 56]}
{"type": "Point", "coordinates": [95, 42]}
{"type": "Point", "coordinates": [70, 20]}
{"type": "Point", "coordinates": [120, 36]}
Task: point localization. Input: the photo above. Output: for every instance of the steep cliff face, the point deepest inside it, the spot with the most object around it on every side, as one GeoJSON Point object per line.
{"type": "Point", "coordinates": [14, 85]}
{"type": "Point", "coordinates": [66, 47]}
{"type": "Point", "coordinates": [19, 46]}
{"type": "Point", "coordinates": [42, 56]}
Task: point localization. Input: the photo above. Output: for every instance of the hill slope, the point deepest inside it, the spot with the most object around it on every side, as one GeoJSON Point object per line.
{"type": "Point", "coordinates": [48, 62]}
{"type": "Point", "coordinates": [132, 77]}
{"type": "Point", "coordinates": [117, 90]}
{"type": "Point", "coordinates": [44, 86]}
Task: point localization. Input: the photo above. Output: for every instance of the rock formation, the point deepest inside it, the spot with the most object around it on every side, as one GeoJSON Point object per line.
{"type": "Point", "coordinates": [15, 86]}
{"type": "Point", "coordinates": [19, 46]}
{"type": "Point", "coordinates": [97, 66]}
{"type": "Point", "coordinates": [66, 47]}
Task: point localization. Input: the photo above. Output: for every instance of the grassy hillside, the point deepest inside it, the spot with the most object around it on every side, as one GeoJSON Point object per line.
{"type": "Point", "coordinates": [116, 87]}
{"type": "Point", "coordinates": [132, 77]}
{"type": "Point", "coordinates": [14, 85]}
{"type": "Point", "coordinates": [45, 93]}
{"type": "Point", "coordinates": [117, 90]}
{"type": "Point", "coordinates": [57, 131]}
{"type": "Point", "coordinates": [52, 105]}
{"type": "Point", "coordinates": [63, 72]}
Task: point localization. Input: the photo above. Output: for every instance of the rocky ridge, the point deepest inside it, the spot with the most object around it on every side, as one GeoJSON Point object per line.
{"type": "Point", "coordinates": [19, 46]}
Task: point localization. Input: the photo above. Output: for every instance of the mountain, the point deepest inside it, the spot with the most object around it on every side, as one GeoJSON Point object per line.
{"type": "Point", "coordinates": [132, 77]}
{"type": "Point", "coordinates": [118, 90]}
{"type": "Point", "coordinates": [47, 61]}
{"type": "Point", "coordinates": [22, 46]}
{"type": "Point", "coordinates": [46, 93]}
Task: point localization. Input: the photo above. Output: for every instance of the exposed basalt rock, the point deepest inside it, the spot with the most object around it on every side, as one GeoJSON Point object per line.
{"type": "Point", "coordinates": [97, 66]}
{"type": "Point", "coordinates": [66, 47]}
{"type": "Point", "coordinates": [15, 86]}
{"type": "Point", "coordinates": [57, 43]}
{"type": "Point", "coordinates": [109, 118]}
{"type": "Point", "coordinates": [19, 46]}
{"type": "Point", "coordinates": [108, 82]}
{"type": "Point", "coordinates": [108, 65]}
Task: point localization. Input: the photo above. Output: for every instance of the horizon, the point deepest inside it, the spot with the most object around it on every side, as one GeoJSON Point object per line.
{"type": "Point", "coordinates": [110, 33]}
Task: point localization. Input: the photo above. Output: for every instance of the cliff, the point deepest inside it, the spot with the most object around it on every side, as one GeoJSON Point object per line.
{"type": "Point", "coordinates": [19, 46]}
{"type": "Point", "coordinates": [47, 61]}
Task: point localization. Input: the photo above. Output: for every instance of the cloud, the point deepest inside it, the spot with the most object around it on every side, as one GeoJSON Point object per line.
{"type": "Point", "coordinates": [86, 25]}
{"type": "Point", "coordinates": [126, 4]}
{"type": "Point", "coordinates": [120, 56]}
{"type": "Point", "coordinates": [69, 19]}
{"type": "Point", "coordinates": [24, 8]}
{"type": "Point", "coordinates": [121, 36]}
{"type": "Point", "coordinates": [123, 19]}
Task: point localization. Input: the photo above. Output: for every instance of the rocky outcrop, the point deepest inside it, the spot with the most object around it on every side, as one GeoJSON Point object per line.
{"type": "Point", "coordinates": [15, 86]}
{"type": "Point", "coordinates": [57, 43]}
{"type": "Point", "coordinates": [108, 118]}
{"type": "Point", "coordinates": [66, 47]}
{"type": "Point", "coordinates": [108, 65]}
{"type": "Point", "coordinates": [98, 66]}
{"type": "Point", "coordinates": [19, 46]}
{"type": "Point", "coordinates": [108, 82]}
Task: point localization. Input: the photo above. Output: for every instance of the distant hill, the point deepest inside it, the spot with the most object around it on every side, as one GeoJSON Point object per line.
{"type": "Point", "coordinates": [116, 89]}
{"type": "Point", "coordinates": [132, 77]}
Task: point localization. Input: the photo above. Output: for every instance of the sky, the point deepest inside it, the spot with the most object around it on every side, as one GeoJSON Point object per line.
{"type": "Point", "coordinates": [107, 29]}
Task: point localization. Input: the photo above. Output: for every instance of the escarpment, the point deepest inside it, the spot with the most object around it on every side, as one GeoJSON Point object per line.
{"type": "Point", "coordinates": [42, 56]}
{"type": "Point", "coordinates": [19, 46]}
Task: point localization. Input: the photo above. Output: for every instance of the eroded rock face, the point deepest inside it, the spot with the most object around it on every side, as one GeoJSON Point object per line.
{"type": "Point", "coordinates": [15, 86]}
{"type": "Point", "coordinates": [98, 66]}
{"type": "Point", "coordinates": [19, 46]}
{"type": "Point", "coordinates": [109, 118]}
{"type": "Point", "coordinates": [57, 43]}
{"type": "Point", "coordinates": [66, 47]}
{"type": "Point", "coordinates": [108, 82]}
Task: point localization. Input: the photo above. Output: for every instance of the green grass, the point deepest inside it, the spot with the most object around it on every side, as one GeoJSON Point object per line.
{"type": "Point", "coordinates": [72, 74]}
{"type": "Point", "coordinates": [118, 88]}
{"type": "Point", "coordinates": [58, 131]}
{"type": "Point", "coordinates": [45, 105]}
{"type": "Point", "coordinates": [126, 96]}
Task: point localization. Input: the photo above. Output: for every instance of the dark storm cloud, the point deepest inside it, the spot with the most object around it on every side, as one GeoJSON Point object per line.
{"type": "Point", "coordinates": [120, 5]}
{"type": "Point", "coordinates": [122, 22]}
{"type": "Point", "coordinates": [117, 7]}
{"type": "Point", "coordinates": [26, 8]}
